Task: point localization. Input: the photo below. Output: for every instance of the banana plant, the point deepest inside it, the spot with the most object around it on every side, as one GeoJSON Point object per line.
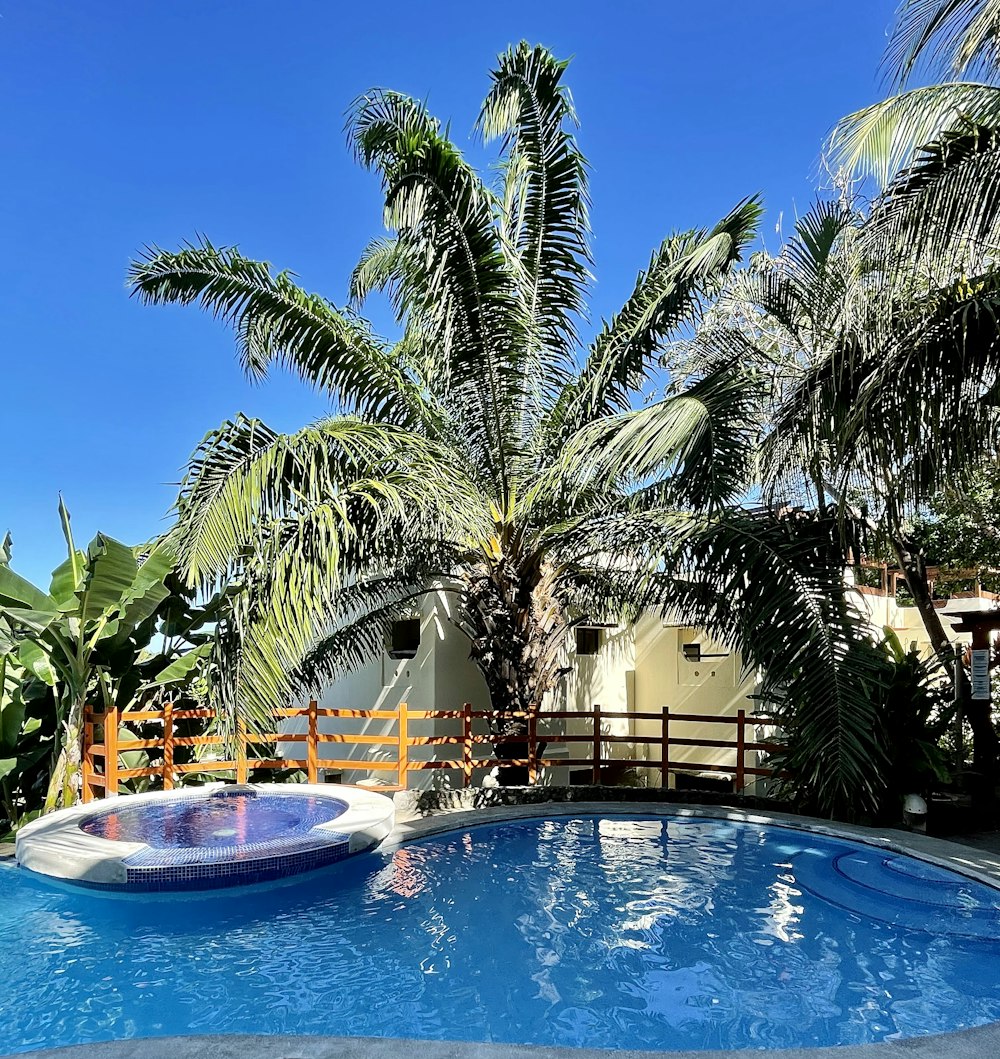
{"type": "Point", "coordinates": [78, 638]}
{"type": "Point", "coordinates": [25, 742]}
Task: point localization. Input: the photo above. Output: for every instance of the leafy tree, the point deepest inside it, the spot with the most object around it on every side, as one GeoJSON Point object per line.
{"type": "Point", "coordinates": [960, 528]}
{"type": "Point", "coordinates": [489, 455]}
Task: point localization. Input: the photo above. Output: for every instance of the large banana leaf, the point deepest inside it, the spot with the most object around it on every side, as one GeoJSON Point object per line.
{"type": "Point", "coordinates": [111, 572]}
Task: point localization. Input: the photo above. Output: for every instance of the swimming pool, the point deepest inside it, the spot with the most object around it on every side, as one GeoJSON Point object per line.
{"type": "Point", "coordinates": [661, 933]}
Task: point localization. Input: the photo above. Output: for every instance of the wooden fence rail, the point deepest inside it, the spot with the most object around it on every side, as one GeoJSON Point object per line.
{"type": "Point", "coordinates": [127, 734]}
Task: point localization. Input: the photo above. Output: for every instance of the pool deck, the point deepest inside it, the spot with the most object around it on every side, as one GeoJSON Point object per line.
{"type": "Point", "coordinates": [977, 856]}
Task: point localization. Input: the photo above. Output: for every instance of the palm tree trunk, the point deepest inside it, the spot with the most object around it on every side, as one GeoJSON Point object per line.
{"type": "Point", "coordinates": [985, 745]}
{"type": "Point", "coordinates": [518, 631]}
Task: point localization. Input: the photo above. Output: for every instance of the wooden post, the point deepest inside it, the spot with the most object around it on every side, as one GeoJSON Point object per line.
{"type": "Point", "coordinates": [533, 743]}
{"type": "Point", "coordinates": [168, 746]}
{"type": "Point", "coordinates": [403, 756]}
{"type": "Point", "coordinates": [596, 771]}
{"type": "Point", "coordinates": [741, 744]}
{"type": "Point", "coordinates": [312, 745]}
{"type": "Point", "coordinates": [466, 744]}
{"type": "Point", "coordinates": [111, 752]}
{"type": "Point", "coordinates": [242, 769]}
{"type": "Point", "coordinates": [665, 748]}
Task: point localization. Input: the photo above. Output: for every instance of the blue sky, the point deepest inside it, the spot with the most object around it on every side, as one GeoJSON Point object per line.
{"type": "Point", "coordinates": [127, 124]}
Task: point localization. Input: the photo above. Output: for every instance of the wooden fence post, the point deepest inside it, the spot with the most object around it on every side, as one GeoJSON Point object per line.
{"type": "Point", "coordinates": [665, 748]}
{"type": "Point", "coordinates": [466, 744]}
{"type": "Point", "coordinates": [312, 745]}
{"type": "Point", "coordinates": [242, 769]}
{"type": "Point", "coordinates": [168, 746]}
{"type": "Point", "coordinates": [403, 756]}
{"type": "Point", "coordinates": [533, 743]}
{"type": "Point", "coordinates": [596, 770]}
{"type": "Point", "coordinates": [111, 751]}
{"type": "Point", "coordinates": [741, 743]}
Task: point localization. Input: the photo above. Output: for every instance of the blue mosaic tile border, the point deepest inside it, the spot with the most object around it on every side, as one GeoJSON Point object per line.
{"type": "Point", "coordinates": [161, 871]}
{"type": "Point", "coordinates": [283, 860]}
{"type": "Point", "coordinates": [158, 857]}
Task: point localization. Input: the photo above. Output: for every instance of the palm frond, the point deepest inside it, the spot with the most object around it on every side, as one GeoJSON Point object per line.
{"type": "Point", "coordinates": [943, 211]}
{"type": "Point", "coordinates": [923, 405]}
{"type": "Point", "coordinates": [880, 139]}
{"type": "Point", "coordinates": [948, 37]}
{"type": "Point", "coordinates": [772, 588]}
{"type": "Point", "coordinates": [665, 296]}
{"type": "Point", "coordinates": [277, 322]}
{"type": "Point", "coordinates": [695, 447]}
{"type": "Point", "coordinates": [456, 287]}
{"type": "Point", "coordinates": [807, 285]}
{"type": "Point", "coordinates": [545, 200]}
{"type": "Point", "coordinates": [296, 626]}
{"type": "Point", "coordinates": [344, 473]}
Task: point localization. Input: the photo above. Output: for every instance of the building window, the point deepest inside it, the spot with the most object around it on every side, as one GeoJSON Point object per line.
{"type": "Point", "coordinates": [404, 638]}
{"type": "Point", "coordinates": [588, 640]}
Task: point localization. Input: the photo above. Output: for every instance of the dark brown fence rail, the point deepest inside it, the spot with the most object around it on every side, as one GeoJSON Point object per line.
{"type": "Point", "coordinates": [109, 735]}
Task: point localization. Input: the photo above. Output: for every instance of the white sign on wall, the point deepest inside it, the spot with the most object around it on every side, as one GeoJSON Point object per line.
{"type": "Point", "coordinates": [981, 674]}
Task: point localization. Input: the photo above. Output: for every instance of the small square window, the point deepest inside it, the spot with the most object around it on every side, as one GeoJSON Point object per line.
{"type": "Point", "coordinates": [588, 640]}
{"type": "Point", "coordinates": [404, 638]}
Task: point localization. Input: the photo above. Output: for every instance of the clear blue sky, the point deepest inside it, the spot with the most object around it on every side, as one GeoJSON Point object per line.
{"type": "Point", "coordinates": [123, 124]}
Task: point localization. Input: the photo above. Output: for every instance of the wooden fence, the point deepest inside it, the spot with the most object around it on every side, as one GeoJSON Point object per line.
{"type": "Point", "coordinates": [105, 741]}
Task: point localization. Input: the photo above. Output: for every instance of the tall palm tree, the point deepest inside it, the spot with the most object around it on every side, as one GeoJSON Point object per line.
{"type": "Point", "coordinates": [488, 454]}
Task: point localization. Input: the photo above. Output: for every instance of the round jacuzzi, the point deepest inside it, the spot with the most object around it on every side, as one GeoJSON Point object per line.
{"type": "Point", "coordinates": [203, 838]}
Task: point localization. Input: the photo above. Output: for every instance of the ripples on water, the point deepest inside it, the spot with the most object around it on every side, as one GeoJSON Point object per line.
{"type": "Point", "coordinates": [603, 933]}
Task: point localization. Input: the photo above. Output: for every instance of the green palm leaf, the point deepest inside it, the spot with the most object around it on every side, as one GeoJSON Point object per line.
{"type": "Point", "coordinates": [456, 287]}
{"type": "Point", "coordinates": [276, 321]}
{"type": "Point", "coordinates": [545, 201]}
{"type": "Point", "coordinates": [880, 139]}
{"type": "Point", "coordinates": [945, 35]}
{"type": "Point", "coordinates": [665, 296]}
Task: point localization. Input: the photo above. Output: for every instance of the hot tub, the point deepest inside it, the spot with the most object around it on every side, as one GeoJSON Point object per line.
{"type": "Point", "coordinates": [205, 837]}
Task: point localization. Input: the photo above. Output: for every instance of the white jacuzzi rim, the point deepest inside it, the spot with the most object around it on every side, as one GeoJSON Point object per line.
{"type": "Point", "coordinates": [57, 847]}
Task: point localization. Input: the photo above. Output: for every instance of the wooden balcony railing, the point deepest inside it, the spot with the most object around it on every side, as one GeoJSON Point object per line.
{"type": "Point", "coordinates": [109, 735]}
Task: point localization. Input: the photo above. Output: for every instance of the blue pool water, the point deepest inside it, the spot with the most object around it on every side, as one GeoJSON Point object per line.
{"type": "Point", "coordinates": [610, 933]}
{"type": "Point", "coordinates": [220, 819]}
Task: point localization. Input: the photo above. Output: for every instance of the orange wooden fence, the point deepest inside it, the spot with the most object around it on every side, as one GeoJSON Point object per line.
{"type": "Point", "coordinates": [103, 770]}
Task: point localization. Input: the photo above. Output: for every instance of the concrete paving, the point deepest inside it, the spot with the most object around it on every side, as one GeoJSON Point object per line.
{"type": "Point", "coordinates": [978, 857]}
{"type": "Point", "coordinates": [983, 1043]}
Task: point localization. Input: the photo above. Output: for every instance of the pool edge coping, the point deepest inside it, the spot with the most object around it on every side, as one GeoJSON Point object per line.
{"type": "Point", "coordinates": [961, 1044]}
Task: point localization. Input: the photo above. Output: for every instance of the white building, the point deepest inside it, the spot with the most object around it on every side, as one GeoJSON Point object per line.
{"type": "Point", "coordinates": [630, 671]}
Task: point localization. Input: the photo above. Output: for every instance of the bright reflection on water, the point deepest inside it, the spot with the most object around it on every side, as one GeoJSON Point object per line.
{"type": "Point", "coordinates": [607, 933]}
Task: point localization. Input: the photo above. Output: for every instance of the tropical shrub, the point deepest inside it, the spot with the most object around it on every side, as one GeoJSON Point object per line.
{"type": "Point", "coordinates": [27, 728]}
{"type": "Point", "coordinates": [115, 628]}
{"type": "Point", "coordinates": [912, 716]}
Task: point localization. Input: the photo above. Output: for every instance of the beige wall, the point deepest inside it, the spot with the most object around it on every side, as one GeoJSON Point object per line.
{"type": "Point", "coordinates": [636, 670]}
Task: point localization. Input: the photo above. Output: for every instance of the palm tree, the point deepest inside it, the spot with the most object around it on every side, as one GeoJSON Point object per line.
{"type": "Point", "coordinates": [487, 454]}
{"type": "Point", "coordinates": [884, 390]}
